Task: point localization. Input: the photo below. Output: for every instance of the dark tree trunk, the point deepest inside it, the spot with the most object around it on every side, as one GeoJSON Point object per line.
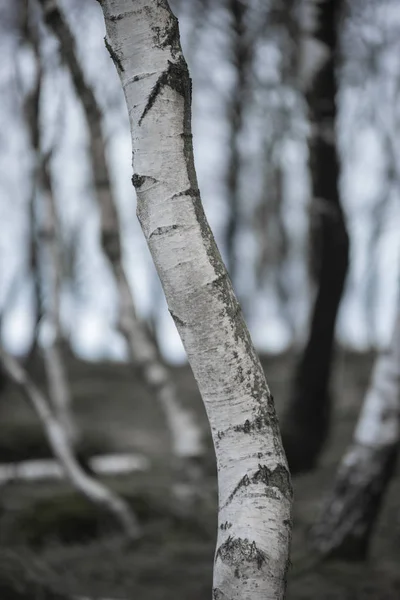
{"type": "Point", "coordinates": [306, 422]}
{"type": "Point", "coordinates": [347, 520]}
{"type": "Point", "coordinates": [347, 523]}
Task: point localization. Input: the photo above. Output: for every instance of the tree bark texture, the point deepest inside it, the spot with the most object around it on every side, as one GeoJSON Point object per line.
{"type": "Point", "coordinates": [307, 419]}
{"type": "Point", "coordinates": [186, 434]}
{"type": "Point", "coordinates": [347, 520]}
{"type": "Point", "coordinates": [255, 493]}
{"type": "Point", "coordinates": [91, 488]}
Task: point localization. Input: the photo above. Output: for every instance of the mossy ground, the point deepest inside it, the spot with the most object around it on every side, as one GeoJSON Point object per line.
{"type": "Point", "coordinates": [53, 542]}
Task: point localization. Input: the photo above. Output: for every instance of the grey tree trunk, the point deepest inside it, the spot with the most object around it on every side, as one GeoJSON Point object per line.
{"type": "Point", "coordinates": [241, 55]}
{"type": "Point", "coordinates": [346, 523]}
{"type": "Point", "coordinates": [185, 432]}
{"type": "Point", "coordinates": [91, 488]}
{"type": "Point", "coordinates": [255, 493]}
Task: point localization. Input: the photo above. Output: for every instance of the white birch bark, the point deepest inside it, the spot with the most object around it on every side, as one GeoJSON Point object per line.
{"type": "Point", "coordinates": [186, 434]}
{"type": "Point", "coordinates": [350, 512]}
{"type": "Point", "coordinates": [255, 491]}
{"type": "Point", "coordinates": [91, 488]}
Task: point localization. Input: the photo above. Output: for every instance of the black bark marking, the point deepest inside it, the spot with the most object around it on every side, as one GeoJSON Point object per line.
{"type": "Point", "coordinates": [138, 181]}
{"type": "Point", "coordinates": [169, 35]}
{"type": "Point", "coordinates": [287, 523]}
{"type": "Point", "coordinates": [176, 319]}
{"type": "Point", "coordinates": [163, 230]}
{"type": "Point", "coordinates": [119, 16]}
{"type": "Point", "coordinates": [174, 77]}
{"type": "Point", "coordinates": [192, 192]}
{"type": "Point", "coordinates": [265, 415]}
{"type": "Point", "coordinates": [225, 526]}
{"type": "Point", "coordinates": [236, 550]}
{"type": "Point", "coordinates": [272, 478]}
{"type": "Point", "coordinates": [218, 594]}
{"type": "Point", "coordinates": [114, 56]}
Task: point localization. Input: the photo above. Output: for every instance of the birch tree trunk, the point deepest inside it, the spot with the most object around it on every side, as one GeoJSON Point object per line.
{"type": "Point", "coordinates": [255, 493]}
{"type": "Point", "coordinates": [307, 419]}
{"type": "Point", "coordinates": [49, 236]}
{"type": "Point", "coordinates": [346, 523]}
{"type": "Point", "coordinates": [91, 488]}
{"type": "Point", "coordinates": [186, 434]}
{"type": "Point", "coordinates": [31, 116]}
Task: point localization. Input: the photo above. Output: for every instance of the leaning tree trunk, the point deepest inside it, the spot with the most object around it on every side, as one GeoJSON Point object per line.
{"type": "Point", "coordinates": [91, 488]}
{"type": "Point", "coordinates": [185, 432]}
{"type": "Point", "coordinates": [49, 236]}
{"type": "Point", "coordinates": [345, 526]}
{"type": "Point", "coordinates": [255, 491]}
{"type": "Point", "coordinates": [306, 421]}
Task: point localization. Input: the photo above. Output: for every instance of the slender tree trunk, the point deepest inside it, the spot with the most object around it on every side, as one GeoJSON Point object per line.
{"type": "Point", "coordinates": [91, 488]}
{"type": "Point", "coordinates": [34, 266]}
{"type": "Point", "coordinates": [31, 115]}
{"type": "Point", "coordinates": [255, 491]}
{"type": "Point", "coordinates": [241, 59]}
{"type": "Point", "coordinates": [49, 236]}
{"type": "Point", "coordinates": [307, 419]}
{"type": "Point", "coordinates": [272, 236]}
{"type": "Point", "coordinates": [347, 520]}
{"type": "Point", "coordinates": [185, 432]}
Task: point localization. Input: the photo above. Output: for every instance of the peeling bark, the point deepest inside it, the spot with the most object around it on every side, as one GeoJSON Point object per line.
{"type": "Point", "coordinates": [91, 488]}
{"type": "Point", "coordinates": [307, 420]}
{"type": "Point", "coordinates": [350, 513]}
{"type": "Point", "coordinates": [251, 557]}
{"type": "Point", "coordinates": [186, 434]}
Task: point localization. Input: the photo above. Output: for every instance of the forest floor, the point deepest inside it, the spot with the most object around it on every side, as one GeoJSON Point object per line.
{"type": "Point", "coordinates": [54, 545]}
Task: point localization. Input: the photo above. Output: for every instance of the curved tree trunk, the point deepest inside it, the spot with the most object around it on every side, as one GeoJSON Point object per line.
{"type": "Point", "coordinates": [346, 523]}
{"type": "Point", "coordinates": [307, 419]}
{"type": "Point", "coordinates": [255, 491]}
{"type": "Point", "coordinates": [186, 434]}
{"type": "Point", "coordinates": [91, 488]}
